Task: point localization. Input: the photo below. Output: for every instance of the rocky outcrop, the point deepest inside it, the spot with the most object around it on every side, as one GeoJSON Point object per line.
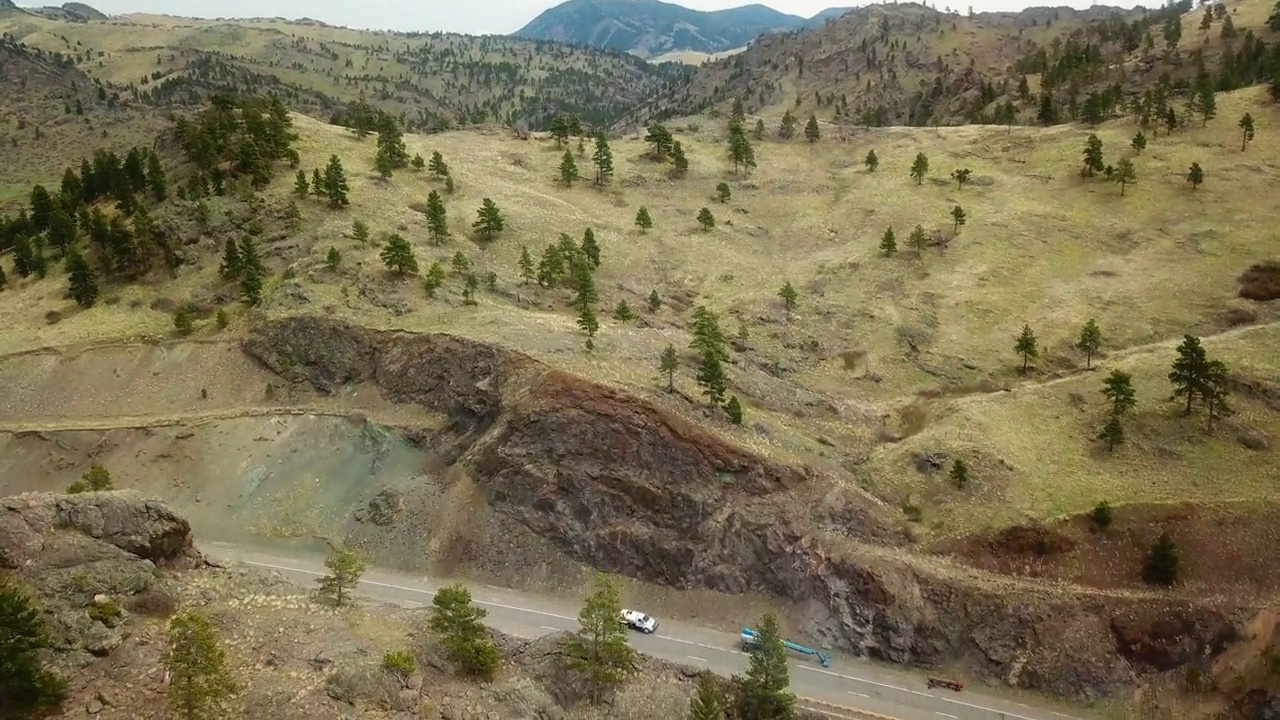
{"type": "Point", "coordinates": [86, 555]}
{"type": "Point", "coordinates": [623, 485]}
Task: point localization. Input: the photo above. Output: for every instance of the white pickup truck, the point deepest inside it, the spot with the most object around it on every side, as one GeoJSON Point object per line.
{"type": "Point", "coordinates": [637, 620]}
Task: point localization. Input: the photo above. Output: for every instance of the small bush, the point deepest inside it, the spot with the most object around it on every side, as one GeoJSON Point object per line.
{"type": "Point", "coordinates": [400, 662]}
{"type": "Point", "coordinates": [154, 602]}
{"type": "Point", "coordinates": [106, 613]}
{"type": "Point", "coordinates": [912, 511]}
{"type": "Point", "coordinates": [223, 319]}
{"type": "Point", "coordinates": [1101, 516]}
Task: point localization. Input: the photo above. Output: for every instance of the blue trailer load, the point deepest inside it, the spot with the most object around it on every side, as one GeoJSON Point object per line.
{"type": "Point", "coordinates": [750, 640]}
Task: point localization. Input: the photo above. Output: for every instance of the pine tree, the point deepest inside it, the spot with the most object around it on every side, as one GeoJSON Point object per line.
{"type": "Point", "coordinates": [466, 641]}
{"type": "Point", "coordinates": [643, 220]}
{"type": "Point", "coordinates": [360, 231]}
{"type": "Point", "coordinates": [417, 163]}
{"type": "Point", "coordinates": [1118, 389]}
{"type": "Point", "coordinates": [1205, 101]}
{"type": "Point", "coordinates": [461, 265]}
{"type": "Point", "coordinates": [156, 179]}
{"type": "Point", "coordinates": [1093, 161]}
{"type": "Point", "coordinates": [560, 129]}
{"type": "Point", "coordinates": [599, 650]}
{"type": "Point", "coordinates": [740, 150]}
{"type": "Point", "coordinates": [919, 168]}
{"type": "Point", "coordinates": [1189, 370]}
{"type": "Point", "coordinates": [758, 132]}
{"type": "Point", "coordinates": [789, 296]}
{"type": "Point", "coordinates": [345, 568]}
{"type": "Point", "coordinates": [1215, 390]}
{"type": "Point", "coordinates": [622, 312]}
{"type": "Point", "coordinates": [655, 302]}
{"type": "Point", "coordinates": [811, 131]}
{"type": "Point", "coordinates": [680, 163]}
{"type": "Point", "coordinates": [919, 240]}
{"type": "Point", "coordinates": [961, 176]}
{"type": "Point", "coordinates": [787, 129]}
{"type": "Point", "coordinates": [733, 409]}
{"type": "Point", "coordinates": [708, 337]}
{"type": "Point", "coordinates": [764, 692]}
{"type": "Point", "coordinates": [383, 163]}
{"type": "Point", "coordinates": [1090, 341]}
{"type": "Point", "coordinates": [1195, 175]}
{"type": "Point", "coordinates": [1112, 433]}
{"type": "Point", "coordinates": [668, 363]}
{"type": "Point", "coordinates": [200, 684]}
{"type": "Point", "coordinates": [1246, 125]}
{"type": "Point", "coordinates": [527, 271]}
{"type": "Point", "coordinates": [706, 219]}
{"type": "Point", "coordinates": [437, 219]}
{"type": "Point", "coordinates": [709, 702]}
{"type": "Point", "coordinates": [568, 169]}
{"type": "Point", "coordinates": [660, 138]}
{"type": "Point", "coordinates": [711, 377]}
{"type": "Point", "coordinates": [333, 259]}
{"type": "Point", "coordinates": [1026, 346]}
{"type": "Point", "coordinates": [872, 162]}
{"type": "Point", "coordinates": [489, 220]}
{"type": "Point", "coordinates": [397, 255]}
{"type": "Point", "coordinates": [603, 159]}
{"type": "Point", "coordinates": [251, 285]}
{"type": "Point", "coordinates": [27, 688]}
{"type": "Point", "coordinates": [1139, 142]}
{"type": "Point", "coordinates": [590, 248]}
{"type": "Point", "coordinates": [958, 218]}
{"type": "Point", "coordinates": [723, 193]}
{"type": "Point", "coordinates": [888, 243]}
{"type": "Point", "coordinates": [470, 284]}
{"type": "Point", "coordinates": [438, 168]}
{"type": "Point", "coordinates": [84, 285]}
{"type": "Point", "coordinates": [589, 322]}
{"type": "Point", "coordinates": [335, 183]}
{"type": "Point", "coordinates": [1161, 566]}
{"type": "Point", "coordinates": [434, 279]}
{"type": "Point", "coordinates": [959, 473]}
{"type": "Point", "coordinates": [317, 184]}
{"type": "Point", "coordinates": [1125, 174]}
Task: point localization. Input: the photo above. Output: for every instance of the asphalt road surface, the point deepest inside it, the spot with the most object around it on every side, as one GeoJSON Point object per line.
{"type": "Point", "coordinates": [848, 683]}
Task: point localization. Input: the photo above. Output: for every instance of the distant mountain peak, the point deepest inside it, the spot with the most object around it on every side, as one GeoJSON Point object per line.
{"type": "Point", "coordinates": [650, 28]}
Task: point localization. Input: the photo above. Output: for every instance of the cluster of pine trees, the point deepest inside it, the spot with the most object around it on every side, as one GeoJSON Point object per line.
{"type": "Point", "coordinates": [109, 201]}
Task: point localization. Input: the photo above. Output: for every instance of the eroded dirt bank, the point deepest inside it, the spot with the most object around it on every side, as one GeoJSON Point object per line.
{"type": "Point", "coordinates": [615, 482]}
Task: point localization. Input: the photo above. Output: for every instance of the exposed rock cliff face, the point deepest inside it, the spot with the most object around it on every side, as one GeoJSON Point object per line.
{"type": "Point", "coordinates": [90, 550]}
{"type": "Point", "coordinates": [621, 484]}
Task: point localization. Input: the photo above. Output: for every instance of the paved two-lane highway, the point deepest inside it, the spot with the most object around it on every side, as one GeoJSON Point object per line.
{"type": "Point", "coordinates": [849, 682]}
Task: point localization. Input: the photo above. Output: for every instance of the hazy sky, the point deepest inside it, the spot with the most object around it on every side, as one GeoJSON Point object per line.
{"type": "Point", "coordinates": [467, 16]}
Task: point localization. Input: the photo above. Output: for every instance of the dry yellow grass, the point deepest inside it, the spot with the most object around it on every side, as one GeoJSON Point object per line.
{"type": "Point", "coordinates": [693, 57]}
{"type": "Point", "coordinates": [1041, 246]}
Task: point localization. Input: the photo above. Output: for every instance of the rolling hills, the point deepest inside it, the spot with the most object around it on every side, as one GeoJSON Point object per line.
{"type": "Point", "coordinates": [901, 454]}
{"type": "Point", "coordinates": [432, 80]}
{"type": "Point", "coordinates": [652, 28]}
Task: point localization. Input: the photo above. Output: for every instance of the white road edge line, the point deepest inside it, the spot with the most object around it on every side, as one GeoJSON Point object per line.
{"type": "Point", "coordinates": [861, 695]}
{"type": "Point", "coordinates": [424, 591]}
{"type": "Point", "coordinates": [695, 657]}
{"type": "Point", "coordinates": [548, 627]}
{"type": "Point", "coordinates": [980, 707]}
{"type": "Point", "coordinates": [921, 694]}
{"type": "Point", "coordinates": [953, 717]}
